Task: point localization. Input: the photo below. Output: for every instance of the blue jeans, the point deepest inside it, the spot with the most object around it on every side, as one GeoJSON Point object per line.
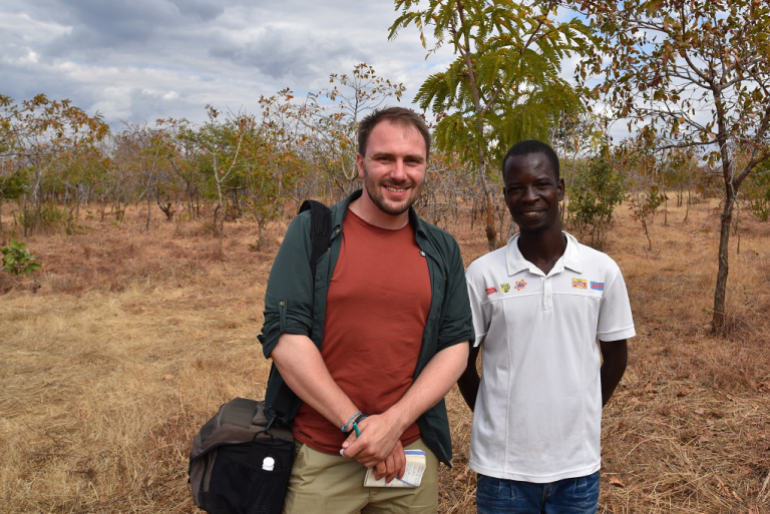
{"type": "Point", "coordinates": [569, 496]}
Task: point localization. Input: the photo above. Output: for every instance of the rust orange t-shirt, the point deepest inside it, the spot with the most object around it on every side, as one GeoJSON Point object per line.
{"type": "Point", "coordinates": [377, 307]}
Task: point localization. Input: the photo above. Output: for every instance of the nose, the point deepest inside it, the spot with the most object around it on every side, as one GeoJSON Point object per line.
{"type": "Point", "coordinates": [399, 170]}
{"type": "Point", "coordinates": [529, 194]}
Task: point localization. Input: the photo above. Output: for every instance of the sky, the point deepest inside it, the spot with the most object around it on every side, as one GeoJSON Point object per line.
{"type": "Point", "coordinates": [141, 60]}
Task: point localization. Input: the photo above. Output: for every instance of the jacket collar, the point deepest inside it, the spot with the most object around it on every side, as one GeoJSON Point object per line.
{"type": "Point", "coordinates": [517, 263]}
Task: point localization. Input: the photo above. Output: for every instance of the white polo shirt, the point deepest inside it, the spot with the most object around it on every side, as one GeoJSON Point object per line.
{"type": "Point", "coordinates": [539, 408]}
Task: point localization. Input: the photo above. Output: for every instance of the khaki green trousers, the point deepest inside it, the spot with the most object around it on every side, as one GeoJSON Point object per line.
{"type": "Point", "coordinates": [331, 484]}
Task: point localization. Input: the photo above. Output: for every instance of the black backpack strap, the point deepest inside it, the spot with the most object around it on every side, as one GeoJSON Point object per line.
{"type": "Point", "coordinates": [320, 237]}
{"type": "Point", "coordinates": [320, 229]}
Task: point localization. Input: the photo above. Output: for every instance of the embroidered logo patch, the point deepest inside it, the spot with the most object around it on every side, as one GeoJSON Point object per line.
{"type": "Point", "coordinates": [521, 284]}
{"type": "Point", "coordinates": [579, 283]}
{"type": "Point", "coordinates": [491, 290]}
{"type": "Point", "coordinates": [598, 286]}
{"type": "Point", "coordinates": [505, 287]}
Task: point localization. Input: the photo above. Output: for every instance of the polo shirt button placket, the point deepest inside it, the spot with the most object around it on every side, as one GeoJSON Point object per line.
{"type": "Point", "coordinates": [547, 294]}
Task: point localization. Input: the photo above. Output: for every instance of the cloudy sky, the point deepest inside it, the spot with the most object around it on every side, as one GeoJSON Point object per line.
{"type": "Point", "coordinates": [145, 59]}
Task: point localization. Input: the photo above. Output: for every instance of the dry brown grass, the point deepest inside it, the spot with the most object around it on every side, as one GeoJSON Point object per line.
{"type": "Point", "coordinates": [126, 342]}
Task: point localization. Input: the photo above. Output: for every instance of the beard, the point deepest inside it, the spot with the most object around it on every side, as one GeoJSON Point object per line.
{"type": "Point", "coordinates": [375, 191]}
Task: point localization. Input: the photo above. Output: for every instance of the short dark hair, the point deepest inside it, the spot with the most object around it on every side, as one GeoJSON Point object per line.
{"type": "Point", "coordinates": [398, 115]}
{"type": "Point", "coordinates": [531, 146]}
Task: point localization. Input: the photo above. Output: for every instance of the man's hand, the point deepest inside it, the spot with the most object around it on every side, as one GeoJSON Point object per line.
{"type": "Point", "coordinates": [378, 447]}
{"type": "Point", "coordinates": [395, 461]}
{"type": "Point", "coordinates": [393, 466]}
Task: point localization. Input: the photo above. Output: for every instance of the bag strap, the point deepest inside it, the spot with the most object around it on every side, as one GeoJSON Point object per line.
{"type": "Point", "coordinates": [320, 237]}
{"type": "Point", "coordinates": [320, 229]}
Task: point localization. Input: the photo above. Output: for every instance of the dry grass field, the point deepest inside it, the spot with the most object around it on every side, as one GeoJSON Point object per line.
{"type": "Point", "coordinates": [125, 342]}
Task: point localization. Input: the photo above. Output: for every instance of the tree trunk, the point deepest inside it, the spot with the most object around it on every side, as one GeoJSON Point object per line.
{"type": "Point", "coordinates": [720, 293]}
{"type": "Point", "coordinates": [149, 212]}
{"type": "Point", "coordinates": [26, 213]}
{"type": "Point", "coordinates": [491, 230]}
{"type": "Point", "coordinates": [260, 223]}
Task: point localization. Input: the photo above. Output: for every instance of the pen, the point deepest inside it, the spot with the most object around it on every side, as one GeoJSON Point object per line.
{"type": "Point", "coordinates": [355, 427]}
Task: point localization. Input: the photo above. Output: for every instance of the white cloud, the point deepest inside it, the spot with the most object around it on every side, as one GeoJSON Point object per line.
{"type": "Point", "coordinates": [175, 56]}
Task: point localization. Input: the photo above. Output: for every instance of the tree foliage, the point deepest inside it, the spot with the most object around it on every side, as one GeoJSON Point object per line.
{"type": "Point", "coordinates": [596, 189]}
{"type": "Point", "coordinates": [758, 192]}
{"type": "Point", "coordinates": [17, 260]}
{"type": "Point", "coordinates": [693, 73]}
{"type": "Point", "coordinates": [35, 133]}
{"type": "Point", "coordinates": [505, 83]}
{"type": "Point", "coordinates": [327, 120]}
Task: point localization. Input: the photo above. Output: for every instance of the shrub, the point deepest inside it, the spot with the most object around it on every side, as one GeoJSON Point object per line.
{"type": "Point", "coordinates": [17, 260]}
{"type": "Point", "coordinates": [595, 192]}
{"type": "Point", "coordinates": [757, 191]}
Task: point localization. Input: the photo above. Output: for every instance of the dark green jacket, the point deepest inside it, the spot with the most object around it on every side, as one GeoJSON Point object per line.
{"type": "Point", "coordinates": [296, 305]}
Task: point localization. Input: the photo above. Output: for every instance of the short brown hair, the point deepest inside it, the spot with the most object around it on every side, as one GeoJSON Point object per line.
{"type": "Point", "coordinates": [398, 115]}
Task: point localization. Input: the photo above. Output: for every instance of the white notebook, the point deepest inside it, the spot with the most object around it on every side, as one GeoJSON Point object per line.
{"type": "Point", "coordinates": [415, 467]}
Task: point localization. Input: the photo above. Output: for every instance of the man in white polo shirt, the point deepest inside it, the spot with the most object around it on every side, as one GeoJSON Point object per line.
{"type": "Point", "coordinates": [553, 317]}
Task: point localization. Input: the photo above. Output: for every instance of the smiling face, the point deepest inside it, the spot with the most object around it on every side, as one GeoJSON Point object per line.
{"type": "Point", "coordinates": [532, 192]}
{"type": "Point", "coordinates": [393, 170]}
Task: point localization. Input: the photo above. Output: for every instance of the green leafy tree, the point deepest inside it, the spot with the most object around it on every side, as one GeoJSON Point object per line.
{"type": "Point", "coordinates": [35, 132]}
{"type": "Point", "coordinates": [223, 145]}
{"type": "Point", "coordinates": [183, 156]}
{"type": "Point", "coordinates": [505, 84]}
{"type": "Point", "coordinates": [595, 192]}
{"type": "Point", "coordinates": [141, 154]}
{"type": "Point", "coordinates": [12, 187]}
{"type": "Point", "coordinates": [758, 192]}
{"type": "Point", "coordinates": [697, 73]}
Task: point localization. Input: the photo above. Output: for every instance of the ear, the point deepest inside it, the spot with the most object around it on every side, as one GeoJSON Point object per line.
{"type": "Point", "coordinates": [560, 186]}
{"type": "Point", "coordinates": [360, 164]}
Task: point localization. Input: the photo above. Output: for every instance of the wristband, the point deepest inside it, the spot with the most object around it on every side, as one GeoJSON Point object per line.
{"type": "Point", "coordinates": [360, 418]}
{"type": "Point", "coordinates": [352, 418]}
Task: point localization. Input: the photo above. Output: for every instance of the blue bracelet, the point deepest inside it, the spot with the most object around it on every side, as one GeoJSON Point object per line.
{"type": "Point", "coordinates": [354, 416]}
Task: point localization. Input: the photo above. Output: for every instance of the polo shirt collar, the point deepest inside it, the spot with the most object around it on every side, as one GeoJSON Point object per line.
{"type": "Point", "coordinates": [516, 262]}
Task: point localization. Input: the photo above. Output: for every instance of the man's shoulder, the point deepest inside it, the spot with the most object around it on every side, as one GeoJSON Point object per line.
{"type": "Point", "coordinates": [435, 230]}
{"type": "Point", "coordinates": [438, 235]}
{"type": "Point", "coordinates": [594, 258]}
{"type": "Point", "coordinates": [490, 261]}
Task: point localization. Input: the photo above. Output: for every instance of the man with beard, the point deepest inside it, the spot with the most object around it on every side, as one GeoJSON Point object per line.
{"type": "Point", "coordinates": [387, 337]}
{"type": "Point", "coordinates": [552, 317]}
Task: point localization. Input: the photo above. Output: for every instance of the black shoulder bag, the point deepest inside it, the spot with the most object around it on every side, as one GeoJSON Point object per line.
{"type": "Point", "coordinates": [242, 457]}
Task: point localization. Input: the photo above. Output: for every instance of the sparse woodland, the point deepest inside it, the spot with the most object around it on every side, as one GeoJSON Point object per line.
{"type": "Point", "coordinates": [155, 242]}
{"type": "Point", "coordinates": [127, 340]}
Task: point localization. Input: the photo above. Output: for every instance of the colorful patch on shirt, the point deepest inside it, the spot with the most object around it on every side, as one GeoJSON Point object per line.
{"type": "Point", "coordinates": [491, 290]}
{"type": "Point", "coordinates": [598, 286]}
{"type": "Point", "coordinates": [505, 287]}
{"type": "Point", "coordinates": [579, 283]}
{"type": "Point", "coordinates": [521, 284]}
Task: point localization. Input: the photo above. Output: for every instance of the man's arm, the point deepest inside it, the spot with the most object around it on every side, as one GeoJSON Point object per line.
{"type": "Point", "coordinates": [614, 361]}
{"type": "Point", "coordinates": [380, 433]}
{"type": "Point", "coordinates": [304, 371]}
{"type": "Point", "coordinates": [470, 381]}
